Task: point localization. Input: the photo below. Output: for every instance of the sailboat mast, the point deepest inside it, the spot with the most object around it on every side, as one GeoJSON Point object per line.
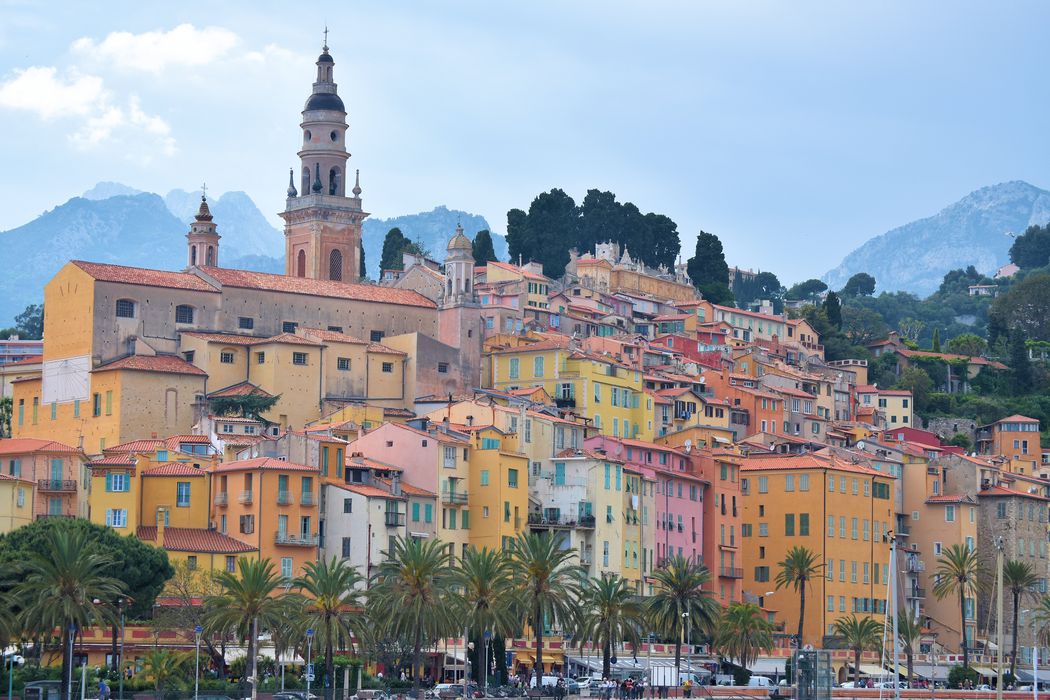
{"type": "Point", "coordinates": [893, 603]}
{"type": "Point", "coordinates": [999, 618]}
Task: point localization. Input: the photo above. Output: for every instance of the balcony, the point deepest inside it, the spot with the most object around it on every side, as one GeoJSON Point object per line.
{"type": "Point", "coordinates": [307, 499]}
{"type": "Point", "coordinates": [454, 498]}
{"type": "Point", "coordinates": [394, 519]}
{"type": "Point", "coordinates": [222, 498]}
{"type": "Point", "coordinates": [448, 462]}
{"type": "Point", "coordinates": [288, 539]}
{"type": "Point", "coordinates": [57, 485]}
{"type": "Point", "coordinates": [41, 516]}
{"type": "Point", "coordinates": [915, 566]}
{"type": "Point", "coordinates": [903, 531]}
{"type": "Point", "coordinates": [284, 498]}
{"type": "Point", "coordinates": [569, 402]}
{"type": "Point", "coordinates": [730, 572]}
{"type": "Point", "coordinates": [540, 522]}
{"type": "Point", "coordinates": [917, 593]}
{"type": "Point", "coordinates": [246, 497]}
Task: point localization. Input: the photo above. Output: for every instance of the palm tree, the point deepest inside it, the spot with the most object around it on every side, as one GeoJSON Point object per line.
{"type": "Point", "coordinates": [909, 631]}
{"type": "Point", "coordinates": [957, 574]}
{"type": "Point", "coordinates": [413, 591]}
{"type": "Point", "coordinates": [679, 590]}
{"type": "Point", "coordinates": [289, 633]}
{"type": "Point", "coordinates": [744, 632]}
{"type": "Point", "coordinates": [161, 666]}
{"type": "Point", "coordinates": [1020, 580]}
{"type": "Point", "coordinates": [798, 568]}
{"type": "Point", "coordinates": [248, 601]}
{"type": "Point", "coordinates": [334, 606]}
{"type": "Point", "coordinates": [1042, 620]}
{"type": "Point", "coordinates": [57, 588]}
{"type": "Point", "coordinates": [548, 583]}
{"type": "Point", "coordinates": [487, 595]}
{"type": "Point", "coordinates": [859, 634]}
{"type": "Point", "coordinates": [609, 612]}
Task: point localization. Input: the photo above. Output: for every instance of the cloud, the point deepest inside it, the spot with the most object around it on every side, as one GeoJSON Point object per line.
{"type": "Point", "coordinates": [84, 101]}
{"type": "Point", "coordinates": [39, 89]}
{"type": "Point", "coordinates": [153, 52]}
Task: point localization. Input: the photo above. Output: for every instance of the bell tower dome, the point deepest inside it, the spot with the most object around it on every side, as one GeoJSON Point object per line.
{"type": "Point", "coordinates": [203, 238]}
{"type": "Point", "coordinates": [322, 224]}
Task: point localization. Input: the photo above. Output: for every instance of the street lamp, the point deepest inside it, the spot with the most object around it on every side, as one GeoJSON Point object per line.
{"type": "Point", "coordinates": [309, 660]}
{"type": "Point", "coordinates": [69, 675]}
{"type": "Point", "coordinates": [689, 643]}
{"type": "Point", "coordinates": [197, 661]}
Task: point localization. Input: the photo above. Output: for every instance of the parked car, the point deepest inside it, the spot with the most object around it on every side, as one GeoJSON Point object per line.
{"type": "Point", "coordinates": [903, 685]}
{"type": "Point", "coordinates": [294, 695]}
{"type": "Point", "coordinates": [572, 686]}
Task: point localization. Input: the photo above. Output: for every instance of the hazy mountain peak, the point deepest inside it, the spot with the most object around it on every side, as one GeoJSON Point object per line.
{"type": "Point", "coordinates": [971, 231]}
{"type": "Point", "coordinates": [105, 190]}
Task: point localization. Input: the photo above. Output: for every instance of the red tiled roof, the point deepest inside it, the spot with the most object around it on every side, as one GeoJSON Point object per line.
{"type": "Point", "coordinates": [409, 489]}
{"type": "Point", "coordinates": [144, 276]}
{"type": "Point", "coordinates": [385, 349]}
{"type": "Point", "coordinates": [267, 463]}
{"type": "Point", "coordinates": [320, 288]}
{"type": "Point", "coordinates": [790, 392]}
{"type": "Point", "coordinates": [195, 539]}
{"type": "Point", "coordinates": [398, 413]}
{"type": "Point", "coordinates": [148, 445]}
{"type": "Point", "coordinates": [368, 491]}
{"type": "Point", "coordinates": [175, 440]}
{"type": "Point", "coordinates": [14, 446]}
{"type": "Point", "coordinates": [1000, 491]}
{"type": "Point", "coordinates": [240, 389]}
{"type": "Point", "coordinates": [224, 338]}
{"type": "Point", "coordinates": [175, 469]}
{"type": "Point", "coordinates": [35, 360]}
{"type": "Point", "coordinates": [949, 498]}
{"type": "Point", "coordinates": [787, 462]}
{"type": "Point", "coordinates": [1017, 418]}
{"type": "Point", "coordinates": [330, 336]}
{"type": "Point", "coordinates": [153, 363]}
{"type": "Point", "coordinates": [522, 271]}
{"type": "Point", "coordinates": [115, 460]}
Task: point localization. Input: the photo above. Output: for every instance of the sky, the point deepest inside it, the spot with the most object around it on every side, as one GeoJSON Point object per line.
{"type": "Point", "coordinates": [794, 131]}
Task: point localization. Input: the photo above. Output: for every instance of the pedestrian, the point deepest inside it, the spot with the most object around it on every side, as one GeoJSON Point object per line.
{"type": "Point", "coordinates": [103, 690]}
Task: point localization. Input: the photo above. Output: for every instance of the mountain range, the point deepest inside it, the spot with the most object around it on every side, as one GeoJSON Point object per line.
{"type": "Point", "coordinates": [973, 231]}
{"type": "Point", "coordinates": [114, 223]}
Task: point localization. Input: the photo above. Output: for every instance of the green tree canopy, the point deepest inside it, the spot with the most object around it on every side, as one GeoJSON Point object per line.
{"type": "Point", "coordinates": [362, 268]}
{"type": "Point", "coordinates": [141, 567]}
{"type": "Point", "coordinates": [862, 326]}
{"type": "Point", "coordinates": [764, 285]}
{"type": "Point", "coordinates": [30, 323]}
{"type": "Point", "coordinates": [918, 382]}
{"type": "Point", "coordinates": [859, 285]}
{"type": "Point", "coordinates": [708, 269]}
{"type": "Point", "coordinates": [968, 344]}
{"type": "Point", "coordinates": [1032, 248]}
{"type": "Point", "coordinates": [833, 309]}
{"type": "Point", "coordinates": [808, 290]}
{"type": "Point", "coordinates": [1026, 307]}
{"type": "Point", "coordinates": [394, 246]}
{"type": "Point", "coordinates": [481, 248]}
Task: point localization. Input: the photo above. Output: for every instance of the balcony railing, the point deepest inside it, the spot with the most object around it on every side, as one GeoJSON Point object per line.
{"type": "Point", "coordinates": [730, 572]}
{"type": "Point", "coordinates": [284, 498]}
{"type": "Point", "coordinates": [448, 462]}
{"type": "Point", "coordinates": [295, 540]}
{"type": "Point", "coordinates": [569, 402]}
{"type": "Point", "coordinates": [41, 516]}
{"type": "Point", "coordinates": [222, 498]}
{"type": "Point", "coordinates": [916, 565]}
{"type": "Point", "coordinates": [307, 499]}
{"type": "Point", "coordinates": [567, 521]}
{"type": "Point", "coordinates": [393, 519]}
{"type": "Point", "coordinates": [57, 485]}
{"type": "Point", "coordinates": [245, 497]}
{"type": "Point", "coordinates": [917, 593]}
{"type": "Point", "coordinates": [454, 498]}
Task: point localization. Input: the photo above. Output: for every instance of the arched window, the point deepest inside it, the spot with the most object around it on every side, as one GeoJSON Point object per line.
{"type": "Point", "coordinates": [335, 266]}
{"type": "Point", "coordinates": [183, 314]}
{"type": "Point", "coordinates": [305, 189]}
{"type": "Point", "coordinates": [300, 264]}
{"type": "Point", "coordinates": [193, 255]}
{"type": "Point", "coordinates": [334, 180]}
{"type": "Point", "coordinates": [125, 308]}
{"type": "Point", "coordinates": [209, 258]}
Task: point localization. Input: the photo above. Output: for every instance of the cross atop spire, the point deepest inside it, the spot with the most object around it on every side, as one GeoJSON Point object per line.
{"type": "Point", "coordinates": [204, 191]}
{"type": "Point", "coordinates": [325, 47]}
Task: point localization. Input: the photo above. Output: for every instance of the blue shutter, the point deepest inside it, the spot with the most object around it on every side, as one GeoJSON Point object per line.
{"type": "Point", "coordinates": [109, 488]}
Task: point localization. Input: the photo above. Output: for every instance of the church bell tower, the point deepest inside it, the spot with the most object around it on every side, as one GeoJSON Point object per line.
{"type": "Point", "coordinates": [322, 225]}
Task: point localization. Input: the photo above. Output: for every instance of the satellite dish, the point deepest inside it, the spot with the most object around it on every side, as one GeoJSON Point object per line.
{"type": "Point", "coordinates": [860, 445]}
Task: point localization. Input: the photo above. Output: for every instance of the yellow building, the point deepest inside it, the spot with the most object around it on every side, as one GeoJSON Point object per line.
{"type": "Point", "coordinates": [598, 387]}
{"type": "Point", "coordinates": [16, 502]}
{"type": "Point", "coordinates": [499, 488]}
{"type": "Point", "coordinates": [837, 510]}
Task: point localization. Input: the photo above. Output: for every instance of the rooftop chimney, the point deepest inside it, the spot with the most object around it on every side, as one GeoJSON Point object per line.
{"type": "Point", "coordinates": [161, 519]}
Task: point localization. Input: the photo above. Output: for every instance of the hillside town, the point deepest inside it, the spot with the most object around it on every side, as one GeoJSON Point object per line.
{"type": "Point", "coordinates": [316, 419]}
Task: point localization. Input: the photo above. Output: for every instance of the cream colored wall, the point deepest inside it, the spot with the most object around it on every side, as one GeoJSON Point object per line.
{"type": "Point", "coordinates": [14, 515]}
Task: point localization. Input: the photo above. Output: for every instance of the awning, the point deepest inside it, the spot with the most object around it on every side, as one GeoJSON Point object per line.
{"type": "Point", "coordinates": [768, 666]}
{"type": "Point", "coordinates": [1026, 675]}
{"type": "Point", "coordinates": [930, 672]}
{"type": "Point", "coordinates": [872, 670]}
{"type": "Point", "coordinates": [985, 671]}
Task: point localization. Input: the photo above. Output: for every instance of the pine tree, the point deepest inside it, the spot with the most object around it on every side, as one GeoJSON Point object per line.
{"type": "Point", "coordinates": [1020, 365]}
{"type": "Point", "coordinates": [393, 245]}
{"type": "Point", "coordinates": [833, 309]}
{"type": "Point", "coordinates": [363, 271]}
{"type": "Point", "coordinates": [482, 249]}
{"type": "Point", "coordinates": [708, 269]}
{"type": "Point", "coordinates": [935, 343]}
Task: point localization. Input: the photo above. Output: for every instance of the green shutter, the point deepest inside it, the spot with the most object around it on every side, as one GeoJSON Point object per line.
{"type": "Point", "coordinates": [109, 482]}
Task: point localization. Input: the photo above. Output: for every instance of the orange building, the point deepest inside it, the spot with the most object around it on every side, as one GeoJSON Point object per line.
{"type": "Point", "coordinates": [1014, 437]}
{"type": "Point", "coordinates": [271, 505]}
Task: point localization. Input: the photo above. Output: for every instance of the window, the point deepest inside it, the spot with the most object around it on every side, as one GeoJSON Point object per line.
{"type": "Point", "coordinates": [761, 573]}
{"type": "Point", "coordinates": [428, 512]}
{"type": "Point", "coordinates": [853, 528]}
{"type": "Point", "coordinates": [537, 366]}
{"type": "Point", "coordinates": [346, 547]}
{"type": "Point", "coordinates": [484, 477]}
{"type": "Point", "coordinates": [343, 364]}
{"type": "Point", "coordinates": [226, 357]}
{"type": "Point", "coordinates": [803, 482]}
{"type": "Point", "coordinates": [388, 367]}
{"type": "Point", "coordinates": [512, 478]}
{"type": "Point", "coordinates": [830, 570]}
{"type": "Point", "coordinates": [513, 370]}
{"type": "Point", "coordinates": [289, 326]}
{"type": "Point", "coordinates": [247, 524]}
{"type": "Point", "coordinates": [191, 562]}
{"type": "Point", "coordinates": [853, 572]}
{"type": "Point", "coordinates": [117, 517]}
{"type": "Point", "coordinates": [117, 482]}
{"type": "Point", "coordinates": [842, 570]}
{"type": "Point", "coordinates": [96, 404]}
{"type": "Point", "coordinates": [286, 567]}
{"type": "Point", "coordinates": [949, 514]}
{"type": "Point", "coordinates": [375, 336]}
{"type": "Point", "coordinates": [789, 524]}
{"type": "Point", "coordinates": [803, 524]}
{"type": "Point", "coordinates": [763, 530]}
{"type": "Point", "coordinates": [183, 314]}
{"type": "Point", "coordinates": [182, 494]}
{"type": "Point", "coordinates": [246, 323]}
{"type": "Point", "coordinates": [763, 484]}
{"type": "Point", "coordinates": [442, 368]}
{"type": "Point", "coordinates": [125, 308]}
{"type": "Point", "coordinates": [298, 358]}
{"type": "Point", "coordinates": [789, 482]}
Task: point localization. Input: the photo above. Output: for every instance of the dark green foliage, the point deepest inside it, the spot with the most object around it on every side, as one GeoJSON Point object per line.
{"type": "Point", "coordinates": [765, 285]}
{"type": "Point", "coordinates": [916, 380]}
{"type": "Point", "coordinates": [837, 345]}
{"type": "Point", "coordinates": [708, 269]}
{"type": "Point", "coordinates": [1026, 307]}
{"type": "Point", "coordinates": [482, 249]}
{"type": "Point", "coordinates": [250, 406]}
{"type": "Point", "coordinates": [961, 440]}
{"type": "Point", "coordinates": [362, 271]}
{"type": "Point", "coordinates": [958, 674]}
{"type": "Point", "coordinates": [143, 568]}
{"type": "Point", "coordinates": [1020, 365]}
{"type": "Point", "coordinates": [862, 326]}
{"type": "Point", "coordinates": [808, 290]}
{"type": "Point", "coordinates": [554, 223]}
{"type": "Point", "coordinates": [741, 676]}
{"type": "Point", "coordinates": [935, 342]}
{"type": "Point", "coordinates": [1032, 248]}
{"type": "Point", "coordinates": [968, 344]}
{"type": "Point", "coordinates": [859, 285]}
{"type": "Point", "coordinates": [394, 245]}
{"type": "Point", "coordinates": [30, 323]}
{"type": "Point", "coordinates": [833, 310]}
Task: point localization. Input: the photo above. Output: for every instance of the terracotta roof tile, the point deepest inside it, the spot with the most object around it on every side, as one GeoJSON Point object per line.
{"type": "Point", "coordinates": [368, 491]}
{"type": "Point", "coordinates": [224, 338]}
{"type": "Point", "coordinates": [144, 276]}
{"type": "Point", "coordinates": [147, 445]}
{"type": "Point", "coordinates": [193, 539]}
{"type": "Point", "coordinates": [14, 446]}
{"type": "Point", "coordinates": [35, 360]}
{"type": "Point", "coordinates": [330, 336]}
{"type": "Point", "coordinates": [153, 363]}
{"type": "Point", "coordinates": [1000, 491]}
{"type": "Point", "coordinates": [385, 349]}
{"type": "Point", "coordinates": [788, 462]}
{"type": "Point", "coordinates": [1017, 418]}
{"type": "Point", "coordinates": [321, 288]}
{"type": "Point", "coordinates": [114, 460]}
{"type": "Point", "coordinates": [239, 389]}
{"type": "Point", "coordinates": [267, 463]}
{"type": "Point", "coordinates": [951, 498]}
{"type": "Point", "coordinates": [175, 469]}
